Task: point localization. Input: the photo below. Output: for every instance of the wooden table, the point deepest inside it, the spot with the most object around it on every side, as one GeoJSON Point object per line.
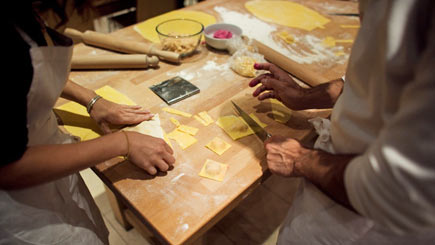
{"type": "Point", "coordinates": [179, 206]}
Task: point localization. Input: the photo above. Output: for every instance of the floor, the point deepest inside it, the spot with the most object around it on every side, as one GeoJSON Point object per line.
{"type": "Point", "coordinates": [255, 221]}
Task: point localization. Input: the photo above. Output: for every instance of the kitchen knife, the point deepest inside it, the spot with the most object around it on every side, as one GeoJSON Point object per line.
{"type": "Point", "coordinates": [258, 130]}
{"type": "Point", "coordinates": [345, 14]}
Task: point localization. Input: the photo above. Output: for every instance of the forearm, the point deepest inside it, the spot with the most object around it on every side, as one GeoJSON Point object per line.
{"type": "Point", "coordinates": [326, 171]}
{"type": "Point", "coordinates": [322, 96]}
{"type": "Point", "coordinates": [77, 93]}
{"type": "Point", "coordinates": [41, 164]}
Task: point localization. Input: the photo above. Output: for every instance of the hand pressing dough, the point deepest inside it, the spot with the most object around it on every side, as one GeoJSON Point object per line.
{"type": "Point", "coordinates": [218, 145]}
{"type": "Point", "coordinates": [244, 66]}
{"type": "Point", "coordinates": [213, 170]}
{"type": "Point", "coordinates": [176, 112]}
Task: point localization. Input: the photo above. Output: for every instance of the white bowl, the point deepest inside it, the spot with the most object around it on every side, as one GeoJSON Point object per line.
{"type": "Point", "coordinates": [220, 43]}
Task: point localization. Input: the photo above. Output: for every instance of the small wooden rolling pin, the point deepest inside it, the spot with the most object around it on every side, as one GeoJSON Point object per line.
{"type": "Point", "coordinates": [115, 61]}
{"type": "Point", "coordinates": [292, 67]}
{"type": "Point", "coordinates": [112, 43]}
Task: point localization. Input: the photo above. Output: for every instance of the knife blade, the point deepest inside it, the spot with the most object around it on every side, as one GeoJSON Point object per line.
{"type": "Point", "coordinates": [345, 14]}
{"type": "Point", "coordinates": [258, 130]}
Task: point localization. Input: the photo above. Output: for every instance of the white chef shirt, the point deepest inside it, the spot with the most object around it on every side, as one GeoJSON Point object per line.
{"type": "Point", "coordinates": [386, 115]}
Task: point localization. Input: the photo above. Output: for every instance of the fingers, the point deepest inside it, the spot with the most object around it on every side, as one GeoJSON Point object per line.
{"type": "Point", "coordinates": [258, 79]}
{"type": "Point", "coordinates": [268, 83]}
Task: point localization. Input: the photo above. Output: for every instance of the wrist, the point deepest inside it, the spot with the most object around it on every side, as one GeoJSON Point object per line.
{"type": "Point", "coordinates": [91, 103]}
{"type": "Point", "coordinates": [305, 162]}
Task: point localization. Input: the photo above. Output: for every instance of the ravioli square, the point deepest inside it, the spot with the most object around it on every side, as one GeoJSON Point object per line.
{"type": "Point", "coordinates": [213, 170]}
{"type": "Point", "coordinates": [218, 145]}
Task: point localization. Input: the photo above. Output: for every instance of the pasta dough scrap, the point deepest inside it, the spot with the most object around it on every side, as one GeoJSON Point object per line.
{"type": "Point", "coordinates": [187, 129]}
{"type": "Point", "coordinates": [213, 170]}
{"type": "Point", "coordinates": [280, 112]}
{"type": "Point", "coordinates": [287, 13]}
{"type": "Point", "coordinates": [206, 117]}
{"type": "Point", "coordinates": [176, 112]}
{"type": "Point", "coordinates": [331, 42]}
{"type": "Point", "coordinates": [218, 145]}
{"type": "Point", "coordinates": [175, 122]}
{"type": "Point", "coordinates": [244, 66]}
{"type": "Point", "coordinates": [200, 120]}
{"type": "Point", "coordinates": [287, 37]}
{"type": "Point", "coordinates": [256, 119]}
{"type": "Point", "coordinates": [183, 139]}
{"type": "Point", "coordinates": [350, 26]}
{"type": "Point", "coordinates": [234, 126]}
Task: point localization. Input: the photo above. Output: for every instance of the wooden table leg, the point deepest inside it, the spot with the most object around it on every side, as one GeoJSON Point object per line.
{"type": "Point", "coordinates": [118, 209]}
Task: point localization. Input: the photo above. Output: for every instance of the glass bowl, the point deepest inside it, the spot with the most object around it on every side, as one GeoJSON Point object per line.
{"type": "Point", "coordinates": [182, 36]}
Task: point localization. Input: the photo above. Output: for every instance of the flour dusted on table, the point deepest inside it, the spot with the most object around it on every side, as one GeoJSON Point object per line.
{"type": "Point", "coordinates": [305, 49]}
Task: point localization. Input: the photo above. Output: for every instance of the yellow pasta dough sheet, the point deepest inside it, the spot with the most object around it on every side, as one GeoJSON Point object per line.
{"type": "Point", "coordinates": [331, 42]}
{"type": "Point", "coordinates": [218, 145]}
{"type": "Point", "coordinates": [206, 117]}
{"type": "Point", "coordinates": [183, 139]}
{"type": "Point", "coordinates": [280, 112]}
{"type": "Point", "coordinates": [187, 129]}
{"type": "Point", "coordinates": [256, 119]}
{"type": "Point", "coordinates": [200, 120]}
{"type": "Point", "coordinates": [287, 13]}
{"type": "Point", "coordinates": [176, 112]}
{"type": "Point", "coordinates": [213, 170]}
{"type": "Point", "coordinates": [234, 126]}
{"type": "Point", "coordinates": [76, 119]}
{"type": "Point", "coordinates": [175, 121]}
{"type": "Point", "coordinates": [350, 26]}
{"type": "Point", "coordinates": [147, 29]}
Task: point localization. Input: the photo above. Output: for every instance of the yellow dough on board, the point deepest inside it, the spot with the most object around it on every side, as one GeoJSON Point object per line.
{"type": "Point", "coordinates": [76, 119]}
{"type": "Point", "coordinates": [244, 66]}
{"type": "Point", "coordinates": [287, 13]}
{"type": "Point", "coordinates": [176, 112]}
{"type": "Point", "coordinates": [213, 170]}
{"type": "Point", "coordinates": [218, 145]}
{"type": "Point", "coordinates": [187, 129]}
{"type": "Point", "coordinates": [183, 139]}
{"type": "Point", "coordinates": [147, 29]}
{"type": "Point", "coordinates": [234, 126]}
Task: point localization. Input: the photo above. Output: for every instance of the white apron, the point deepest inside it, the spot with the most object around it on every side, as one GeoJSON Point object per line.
{"type": "Point", "coordinates": [61, 211]}
{"type": "Point", "coordinates": [314, 218]}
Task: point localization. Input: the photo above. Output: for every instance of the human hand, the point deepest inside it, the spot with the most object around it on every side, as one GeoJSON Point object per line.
{"type": "Point", "coordinates": [149, 153]}
{"type": "Point", "coordinates": [279, 85]}
{"type": "Point", "coordinates": [106, 113]}
{"type": "Point", "coordinates": [283, 155]}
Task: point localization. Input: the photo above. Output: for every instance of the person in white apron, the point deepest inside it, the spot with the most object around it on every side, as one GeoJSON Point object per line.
{"type": "Point", "coordinates": [43, 200]}
{"type": "Point", "coordinates": [371, 178]}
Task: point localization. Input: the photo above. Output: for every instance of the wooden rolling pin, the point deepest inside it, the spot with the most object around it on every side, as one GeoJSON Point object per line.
{"type": "Point", "coordinates": [292, 67]}
{"type": "Point", "coordinates": [115, 61]}
{"type": "Point", "coordinates": [112, 43]}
